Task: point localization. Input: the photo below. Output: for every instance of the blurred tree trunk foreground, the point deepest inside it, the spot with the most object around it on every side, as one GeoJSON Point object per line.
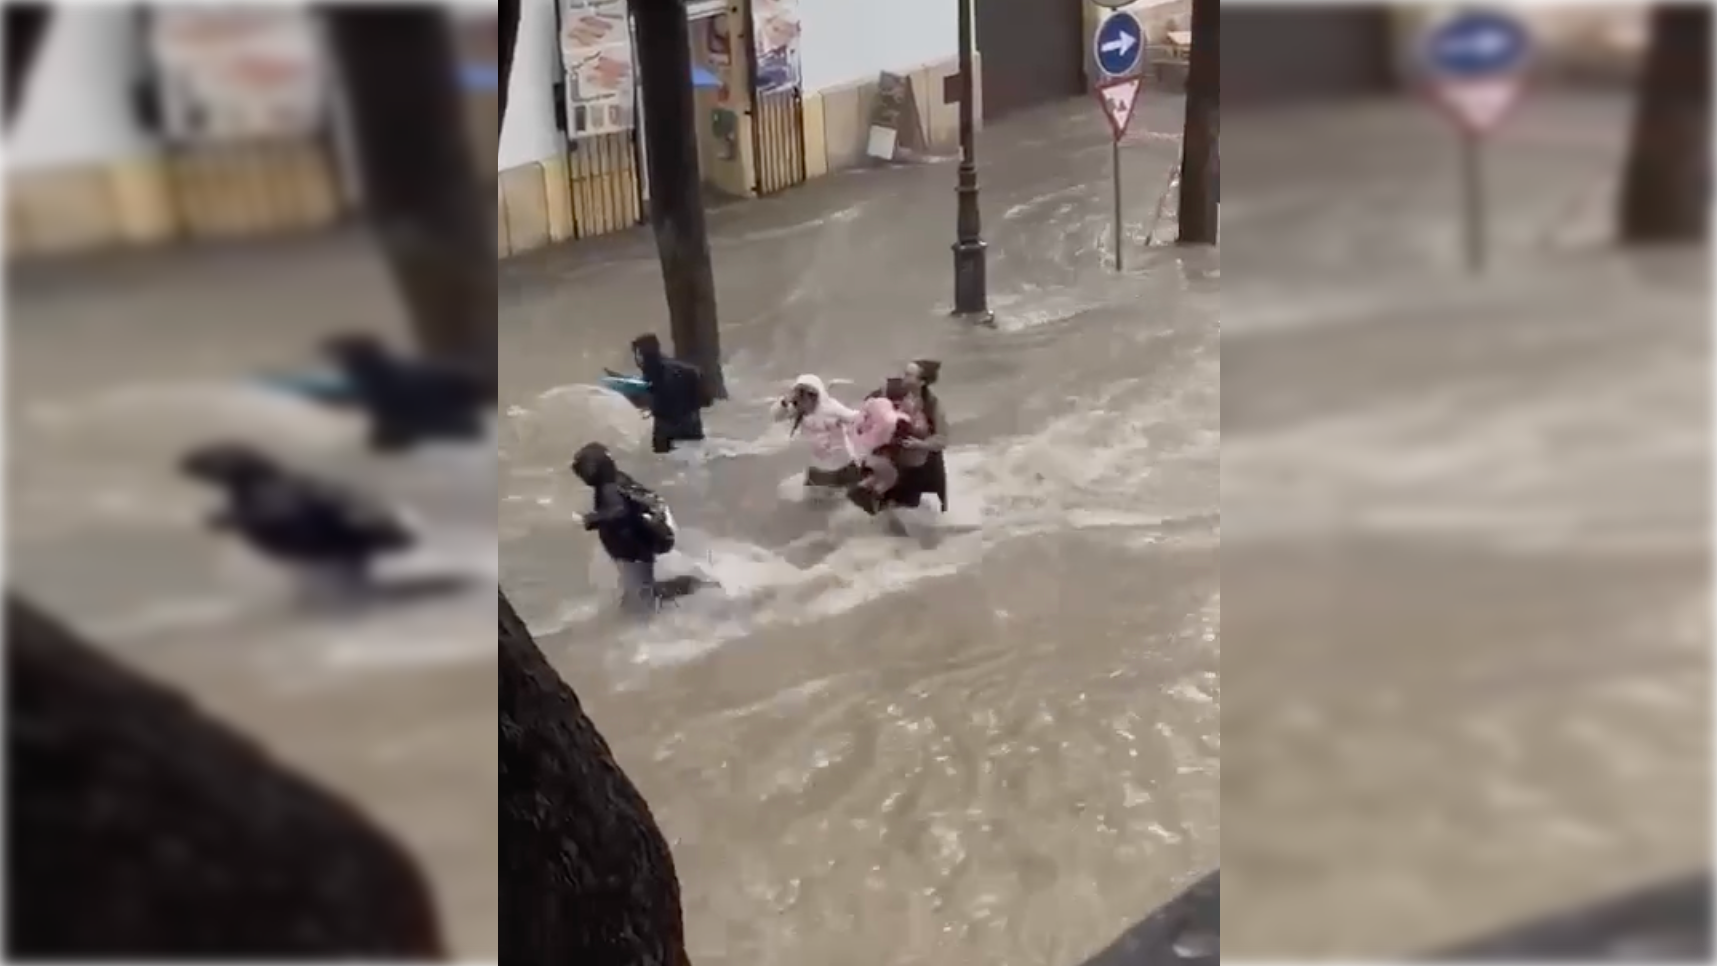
{"type": "Point", "coordinates": [1666, 181]}
{"type": "Point", "coordinates": [423, 195]}
{"type": "Point", "coordinates": [1198, 211]}
{"type": "Point", "coordinates": [586, 874]}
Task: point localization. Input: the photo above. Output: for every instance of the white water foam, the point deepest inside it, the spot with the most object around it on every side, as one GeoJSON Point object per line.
{"type": "Point", "coordinates": [107, 459]}
{"type": "Point", "coordinates": [1003, 491]}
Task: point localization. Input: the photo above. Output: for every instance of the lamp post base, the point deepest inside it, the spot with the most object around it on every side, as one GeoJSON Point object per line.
{"type": "Point", "coordinates": [971, 282]}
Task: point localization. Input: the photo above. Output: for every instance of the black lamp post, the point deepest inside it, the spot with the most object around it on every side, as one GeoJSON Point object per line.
{"type": "Point", "coordinates": [971, 284]}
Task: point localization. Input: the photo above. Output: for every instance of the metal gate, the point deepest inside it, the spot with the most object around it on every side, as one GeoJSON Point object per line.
{"type": "Point", "coordinates": [249, 190]}
{"type": "Point", "coordinates": [606, 189]}
{"type": "Point", "coordinates": [778, 139]}
{"type": "Point", "coordinates": [1033, 53]}
{"type": "Point", "coordinates": [1307, 55]}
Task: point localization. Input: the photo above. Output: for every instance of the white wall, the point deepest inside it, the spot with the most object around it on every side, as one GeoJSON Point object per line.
{"type": "Point", "coordinates": [844, 41]}
{"type": "Point", "coordinates": [527, 132]}
{"type": "Point", "coordinates": [77, 109]}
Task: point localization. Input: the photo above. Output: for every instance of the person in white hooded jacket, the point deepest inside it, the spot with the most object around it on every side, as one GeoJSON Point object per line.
{"type": "Point", "coordinates": [827, 425]}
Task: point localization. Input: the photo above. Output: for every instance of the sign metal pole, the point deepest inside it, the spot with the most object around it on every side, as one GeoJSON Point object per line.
{"type": "Point", "coordinates": [1477, 60]}
{"type": "Point", "coordinates": [1473, 190]}
{"type": "Point", "coordinates": [1119, 46]}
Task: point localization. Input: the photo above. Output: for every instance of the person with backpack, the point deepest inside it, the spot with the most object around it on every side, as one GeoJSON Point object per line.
{"type": "Point", "coordinates": [330, 535]}
{"type": "Point", "coordinates": [409, 401]}
{"type": "Point", "coordinates": [635, 527]}
{"type": "Point", "coordinates": [678, 396]}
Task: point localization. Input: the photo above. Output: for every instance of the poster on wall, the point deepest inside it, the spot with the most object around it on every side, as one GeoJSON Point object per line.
{"type": "Point", "coordinates": [596, 50]}
{"type": "Point", "coordinates": [718, 41]}
{"type": "Point", "coordinates": [775, 24]}
{"type": "Point", "coordinates": [229, 73]}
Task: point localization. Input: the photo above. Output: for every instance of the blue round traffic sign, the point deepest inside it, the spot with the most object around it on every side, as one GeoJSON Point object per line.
{"type": "Point", "coordinates": [1119, 44]}
{"type": "Point", "coordinates": [1476, 44]}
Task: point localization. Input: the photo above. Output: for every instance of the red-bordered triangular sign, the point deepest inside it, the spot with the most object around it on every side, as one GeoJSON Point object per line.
{"type": "Point", "coordinates": [1479, 105]}
{"type": "Point", "coordinates": [1119, 97]}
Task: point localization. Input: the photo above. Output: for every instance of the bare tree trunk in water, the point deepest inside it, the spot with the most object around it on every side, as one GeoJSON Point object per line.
{"type": "Point", "coordinates": [1198, 214]}
{"type": "Point", "coordinates": [676, 192]}
{"type": "Point", "coordinates": [586, 874]}
{"type": "Point", "coordinates": [1666, 184]}
{"type": "Point", "coordinates": [422, 192]}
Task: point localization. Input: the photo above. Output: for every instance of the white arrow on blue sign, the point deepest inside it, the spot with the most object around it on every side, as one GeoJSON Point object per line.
{"type": "Point", "coordinates": [1477, 44]}
{"type": "Point", "coordinates": [1120, 44]}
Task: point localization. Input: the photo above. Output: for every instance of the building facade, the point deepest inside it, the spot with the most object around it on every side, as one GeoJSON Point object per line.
{"type": "Point", "coordinates": [786, 91]}
{"type": "Point", "coordinates": [180, 124]}
{"type": "Point", "coordinates": [174, 124]}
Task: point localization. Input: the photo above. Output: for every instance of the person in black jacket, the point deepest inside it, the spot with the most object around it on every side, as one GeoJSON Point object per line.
{"type": "Point", "coordinates": [317, 527]}
{"type": "Point", "coordinates": [635, 527]}
{"type": "Point", "coordinates": [410, 401]}
{"type": "Point", "coordinates": [677, 396]}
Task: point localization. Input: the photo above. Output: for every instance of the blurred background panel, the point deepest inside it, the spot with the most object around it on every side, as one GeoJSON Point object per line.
{"type": "Point", "coordinates": [1282, 53]}
{"type": "Point", "coordinates": [154, 126]}
{"type": "Point", "coordinates": [184, 219]}
{"type": "Point", "coordinates": [1465, 551]}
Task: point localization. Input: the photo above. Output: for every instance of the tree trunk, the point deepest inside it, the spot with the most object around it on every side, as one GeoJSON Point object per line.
{"type": "Point", "coordinates": [1666, 183]}
{"type": "Point", "coordinates": [1185, 931]}
{"type": "Point", "coordinates": [1199, 164]}
{"type": "Point", "coordinates": [586, 875]}
{"type": "Point", "coordinates": [26, 26]}
{"type": "Point", "coordinates": [506, 41]}
{"type": "Point", "coordinates": [422, 192]}
{"type": "Point", "coordinates": [139, 828]}
{"type": "Point", "coordinates": [676, 191]}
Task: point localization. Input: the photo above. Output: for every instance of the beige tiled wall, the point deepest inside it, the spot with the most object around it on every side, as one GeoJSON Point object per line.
{"type": "Point", "coordinates": [816, 136]}
{"type": "Point", "coordinates": [76, 209]}
{"type": "Point", "coordinates": [839, 118]}
{"type": "Point", "coordinates": [534, 203]}
{"type": "Point", "coordinates": [227, 193]}
{"type": "Point", "coordinates": [524, 199]}
{"type": "Point", "coordinates": [213, 192]}
{"type": "Point", "coordinates": [61, 211]}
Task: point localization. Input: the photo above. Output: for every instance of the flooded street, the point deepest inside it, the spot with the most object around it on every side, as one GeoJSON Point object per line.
{"type": "Point", "coordinates": [993, 740]}
{"type": "Point", "coordinates": [1466, 554]}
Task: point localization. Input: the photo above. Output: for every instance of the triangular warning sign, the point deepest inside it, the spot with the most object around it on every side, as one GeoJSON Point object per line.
{"type": "Point", "coordinates": [1118, 98]}
{"type": "Point", "coordinates": [1480, 104]}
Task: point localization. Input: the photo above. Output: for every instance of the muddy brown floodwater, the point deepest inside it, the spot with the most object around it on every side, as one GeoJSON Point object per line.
{"type": "Point", "coordinates": [994, 740]}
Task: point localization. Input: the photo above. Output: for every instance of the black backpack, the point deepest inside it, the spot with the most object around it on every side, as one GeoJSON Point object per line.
{"type": "Point", "coordinates": [656, 521]}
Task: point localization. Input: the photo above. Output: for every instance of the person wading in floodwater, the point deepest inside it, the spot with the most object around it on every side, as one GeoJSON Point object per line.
{"type": "Point", "coordinates": [923, 466]}
{"type": "Point", "coordinates": [827, 425]}
{"type": "Point", "coordinates": [677, 396]}
{"type": "Point", "coordinates": [635, 527]}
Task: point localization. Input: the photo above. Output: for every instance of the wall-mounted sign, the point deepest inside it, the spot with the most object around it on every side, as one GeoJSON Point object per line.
{"type": "Point", "coordinates": [234, 73]}
{"type": "Point", "coordinates": [718, 41]}
{"type": "Point", "coordinates": [775, 28]}
{"type": "Point", "coordinates": [596, 50]}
